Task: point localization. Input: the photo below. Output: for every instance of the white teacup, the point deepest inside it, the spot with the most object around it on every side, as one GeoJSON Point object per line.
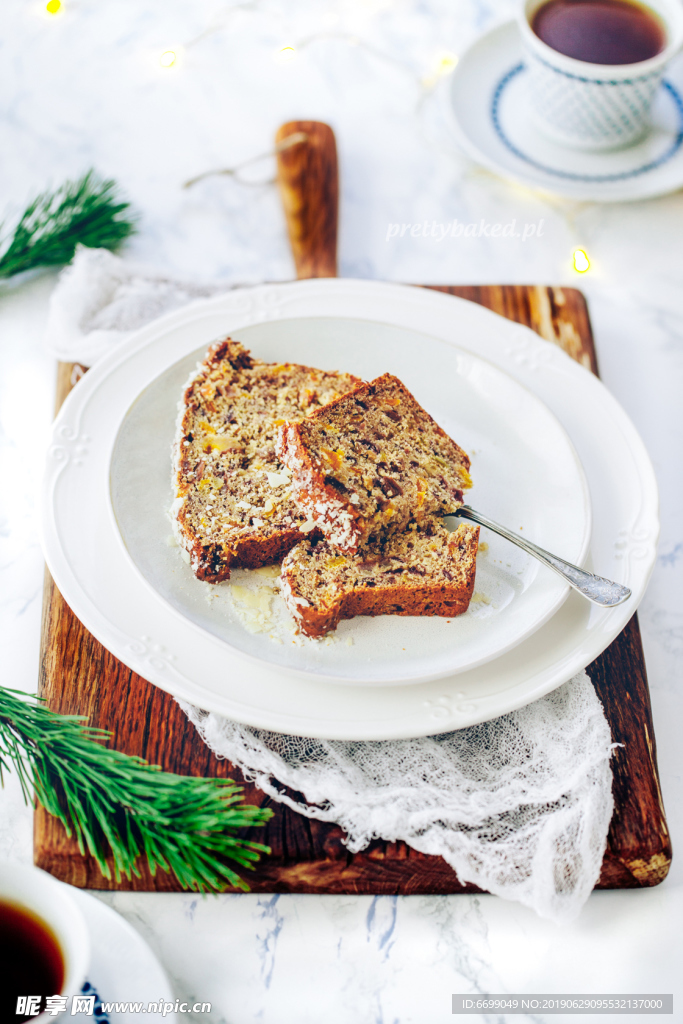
{"type": "Point", "coordinates": [30, 889]}
{"type": "Point", "coordinates": [595, 106]}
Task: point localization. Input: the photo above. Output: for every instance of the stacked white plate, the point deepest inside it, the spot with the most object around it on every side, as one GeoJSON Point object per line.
{"type": "Point", "coordinates": [553, 455]}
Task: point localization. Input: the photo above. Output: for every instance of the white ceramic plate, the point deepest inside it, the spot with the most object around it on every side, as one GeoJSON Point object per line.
{"type": "Point", "coordinates": [489, 101]}
{"type": "Point", "coordinates": [123, 969]}
{"type": "Point", "coordinates": [525, 469]}
{"type": "Point", "coordinates": [100, 582]}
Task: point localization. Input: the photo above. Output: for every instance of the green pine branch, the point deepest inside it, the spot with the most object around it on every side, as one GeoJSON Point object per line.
{"type": "Point", "coordinates": [86, 212]}
{"type": "Point", "coordinates": [120, 807]}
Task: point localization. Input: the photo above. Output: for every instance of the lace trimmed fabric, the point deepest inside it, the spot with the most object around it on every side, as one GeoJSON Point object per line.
{"type": "Point", "coordinates": [100, 299]}
{"type": "Point", "coordinates": [519, 806]}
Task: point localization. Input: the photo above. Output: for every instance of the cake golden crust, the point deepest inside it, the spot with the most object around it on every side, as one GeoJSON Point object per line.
{"type": "Point", "coordinates": [426, 571]}
{"type": "Point", "coordinates": [371, 462]}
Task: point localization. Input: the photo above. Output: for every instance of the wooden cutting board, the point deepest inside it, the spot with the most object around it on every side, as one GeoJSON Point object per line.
{"type": "Point", "coordinates": [78, 676]}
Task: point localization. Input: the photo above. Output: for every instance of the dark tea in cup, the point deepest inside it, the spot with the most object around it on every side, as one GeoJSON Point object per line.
{"type": "Point", "coordinates": [595, 67]}
{"type": "Point", "coordinates": [600, 31]}
{"type": "Point", "coordinates": [31, 957]}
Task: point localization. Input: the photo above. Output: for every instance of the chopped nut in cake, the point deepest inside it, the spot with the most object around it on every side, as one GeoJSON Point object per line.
{"type": "Point", "coordinates": [426, 571]}
{"type": "Point", "coordinates": [233, 497]}
{"type": "Point", "coordinates": [370, 462]}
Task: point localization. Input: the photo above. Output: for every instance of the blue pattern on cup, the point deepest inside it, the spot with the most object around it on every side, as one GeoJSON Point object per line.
{"type": "Point", "coordinates": [98, 1014]}
{"type": "Point", "coordinates": [593, 113]}
{"type": "Point", "coordinates": [651, 165]}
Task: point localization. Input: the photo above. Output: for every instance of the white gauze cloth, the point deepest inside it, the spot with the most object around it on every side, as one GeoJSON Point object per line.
{"type": "Point", "coordinates": [100, 299]}
{"type": "Point", "coordinates": [519, 806]}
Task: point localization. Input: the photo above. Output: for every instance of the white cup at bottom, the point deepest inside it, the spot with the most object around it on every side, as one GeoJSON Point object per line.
{"type": "Point", "coordinates": [28, 888]}
{"type": "Point", "coordinates": [595, 106]}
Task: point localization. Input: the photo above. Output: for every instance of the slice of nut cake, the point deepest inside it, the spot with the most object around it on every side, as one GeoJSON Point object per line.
{"type": "Point", "coordinates": [233, 502]}
{"type": "Point", "coordinates": [371, 462]}
{"type": "Point", "coordinates": [426, 571]}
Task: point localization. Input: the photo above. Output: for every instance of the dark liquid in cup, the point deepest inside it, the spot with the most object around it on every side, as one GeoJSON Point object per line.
{"type": "Point", "coordinates": [600, 31]}
{"type": "Point", "coordinates": [31, 959]}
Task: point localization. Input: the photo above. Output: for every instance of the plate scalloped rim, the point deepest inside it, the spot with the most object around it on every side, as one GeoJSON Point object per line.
{"type": "Point", "coordinates": [574, 634]}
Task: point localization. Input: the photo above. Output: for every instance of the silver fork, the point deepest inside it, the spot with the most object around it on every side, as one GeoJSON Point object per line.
{"type": "Point", "coordinates": [595, 588]}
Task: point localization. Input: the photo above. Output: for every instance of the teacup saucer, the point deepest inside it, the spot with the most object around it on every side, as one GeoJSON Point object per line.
{"type": "Point", "coordinates": [489, 101]}
{"type": "Point", "coordinates": [123, 970]}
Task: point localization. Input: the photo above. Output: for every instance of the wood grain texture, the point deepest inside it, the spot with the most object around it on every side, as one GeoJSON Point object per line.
{"type": "Point", "coordinates": [78, 676]}
{"type": "Point", "coordinates": [308, 182]}
{"type": "Point", "coordinates": [559, 315]}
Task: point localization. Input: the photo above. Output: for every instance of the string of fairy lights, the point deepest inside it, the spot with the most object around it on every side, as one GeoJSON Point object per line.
{"type": "Point", "coordinates": [443, 63]}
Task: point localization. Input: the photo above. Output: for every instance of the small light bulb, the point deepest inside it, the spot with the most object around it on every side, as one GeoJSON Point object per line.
{"type": "Point", "coordinates": [581, 261]}
{"type": "Point", "coordinates": [168, 58]}
{"type": "Point", "coordinates": [52, 6]}
{"type": "Point", "coordinates": [287, 52]}
{"type": "Point", "coordinates": [443, 64]}
{"type": "Point", "coordinates": [446, 63]}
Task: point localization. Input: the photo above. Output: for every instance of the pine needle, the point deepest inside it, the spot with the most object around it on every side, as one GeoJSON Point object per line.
{"type": "Point", "coordinates": [121, 808]}
{"type": "Point", "coordinates": [86, 212]}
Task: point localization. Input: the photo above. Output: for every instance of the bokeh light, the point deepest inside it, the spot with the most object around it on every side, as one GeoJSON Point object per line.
{"type": "Point", "coordinates": [581, 261]}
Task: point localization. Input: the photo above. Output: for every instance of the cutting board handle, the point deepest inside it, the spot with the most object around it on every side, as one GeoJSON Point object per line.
{"type": "Point", "coordinates": [309, 187]}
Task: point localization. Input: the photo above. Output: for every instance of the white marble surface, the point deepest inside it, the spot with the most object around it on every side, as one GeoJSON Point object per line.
{"type": "Point", "coordinates": [85, 88]}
